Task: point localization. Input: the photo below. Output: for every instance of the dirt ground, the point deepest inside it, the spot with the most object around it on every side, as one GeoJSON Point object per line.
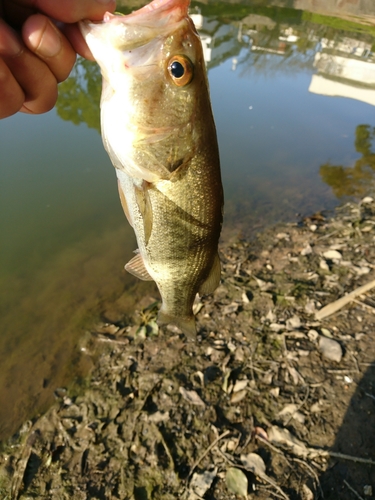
{"type": "Point", "coordinates": [272, 400]}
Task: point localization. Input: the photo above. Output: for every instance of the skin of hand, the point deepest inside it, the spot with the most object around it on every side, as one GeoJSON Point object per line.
{"type": "Point", "coordinates": [39, 41]}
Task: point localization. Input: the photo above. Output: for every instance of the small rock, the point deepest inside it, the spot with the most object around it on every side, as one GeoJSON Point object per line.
{"type": "Point", "coordinates": [240, 385]}
{"type": "Point", "coordinates": [367, 199]}
{"type": "Point", "coordinates": [293, 323]}
{"type": "Point", "coordinates": [332, 255]}
{"type": "Point", "coordinates": [275, 392]}
{"type": "Point", "coordinates": [323, 265]}
{"type": "Point", "coordinates": [316, 408]}
{"type": "Point", "coordinates": [276, 327]}
{"type": "Point", "coordinates": [330, 349]}
{"type": "Point", "coordinates": [367, 490]}
{"type": "Point", "coordinates": [313, 227]}
{"type": "Point", "coordinates": [310, 307]}
{"type": "Point", "coordinates": [307, 250]}
{"type": "Point", "coordinates": [313, 335]}
{"type": "Point", "coordinates": [230, 308]}
{"type": "Point", "coordinates": [282, 236]}
{"type": "Point", "coordinates": [238, 396]}
{"type": "Point", "coordinates": [271, 316]}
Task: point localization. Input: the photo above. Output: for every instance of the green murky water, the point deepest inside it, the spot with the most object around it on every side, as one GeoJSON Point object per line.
{"type": "Point", "coordinates": [293, 92]}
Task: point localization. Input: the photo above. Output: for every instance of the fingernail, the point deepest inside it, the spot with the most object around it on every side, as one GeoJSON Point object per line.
{"type": "Point", "coordinates": [47, 43]}
{"type": "Point", "coordinates": [10, 45]}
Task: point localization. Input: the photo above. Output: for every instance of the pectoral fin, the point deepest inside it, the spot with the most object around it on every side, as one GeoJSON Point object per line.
{"type": "Point", "coordinates": [123, 202]}
{"type": "Point", "coordinates": [213, 279]}
{"type": "Point", "coordinates": [137, 268]}
{"type": "Point", "coordinates": [144, 204]}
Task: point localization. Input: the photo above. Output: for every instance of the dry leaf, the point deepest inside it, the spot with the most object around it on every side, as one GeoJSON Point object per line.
{"type": "Point", "coordinates": [254, 463]}
{"type": "Point", "coordinates": [236, 481]}
{"type": "Point", "coordinates": [192, 397]}
{"type": "Point", "coordinates": [281, 436]}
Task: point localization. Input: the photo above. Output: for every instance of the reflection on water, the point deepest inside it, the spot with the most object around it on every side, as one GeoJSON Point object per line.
{"type": "Point", "coordinates": [356, 180]}
{"type": "Point", "coordinates": [293, 90]}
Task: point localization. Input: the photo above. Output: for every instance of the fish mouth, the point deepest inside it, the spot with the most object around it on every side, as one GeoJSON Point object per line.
{"type": "Point", "coordinates": [174, 9]}
{"type": "Point", "coordinates": [155, 16]}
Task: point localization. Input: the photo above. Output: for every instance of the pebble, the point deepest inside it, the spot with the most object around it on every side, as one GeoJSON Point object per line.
{"type": "Point", "coordinates": [313, 335]}
{"type": "Point", "coordinates": [332, 255]}
{"type": "Point", "coordinates": [367, 199]}
{"type": "Point", "coordinates": [293, 323]}
{"type": "Point", "coordinates": [323, 265]}
{"type": "Point", "coordinates": [330, 349]}
{"type": "Point", "coordinates": [307, 250]}
{"type": "Point", "coordinates": [276, 327]}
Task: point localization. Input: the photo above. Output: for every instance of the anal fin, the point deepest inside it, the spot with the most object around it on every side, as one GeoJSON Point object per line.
{"type": "Point", "coordinates": [213, 279]}
{"type": "Point", "coordinates": [137, 268]}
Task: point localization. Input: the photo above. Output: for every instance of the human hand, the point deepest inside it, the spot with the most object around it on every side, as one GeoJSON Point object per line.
{"type": "Point", "coordinates": [39, 40]}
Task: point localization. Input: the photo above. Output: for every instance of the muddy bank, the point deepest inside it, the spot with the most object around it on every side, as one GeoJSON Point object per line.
{"type": "Point", "coordinates": [272, 400]}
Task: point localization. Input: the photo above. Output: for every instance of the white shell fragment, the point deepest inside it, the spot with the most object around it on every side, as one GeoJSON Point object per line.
{"type": "Point", "coordinates": [330, 349]}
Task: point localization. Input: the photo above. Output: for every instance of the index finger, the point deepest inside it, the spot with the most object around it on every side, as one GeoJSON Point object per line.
{"type": "Point", "coordinates": [70, 11]}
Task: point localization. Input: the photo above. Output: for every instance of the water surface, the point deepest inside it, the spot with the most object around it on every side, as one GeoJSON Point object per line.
{"type": "Point", "coordinates": [293, 93]}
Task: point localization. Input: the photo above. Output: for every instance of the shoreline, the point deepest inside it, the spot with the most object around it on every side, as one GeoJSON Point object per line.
{"type": "Point", "coordinates": [160, 418]}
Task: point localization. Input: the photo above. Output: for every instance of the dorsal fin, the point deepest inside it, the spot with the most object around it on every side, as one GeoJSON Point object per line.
{"type": "Point", "coordinates": [137, 268]}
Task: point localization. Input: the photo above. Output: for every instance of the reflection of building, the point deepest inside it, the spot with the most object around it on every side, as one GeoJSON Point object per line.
{"type": "Point", "coordinates": [219, 41]}
{"type": "Point", "coordinates": [345, 68]}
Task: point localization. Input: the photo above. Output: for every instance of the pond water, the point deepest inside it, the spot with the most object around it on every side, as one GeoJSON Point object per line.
{"type": "Point", "coordinates": [293, 93]}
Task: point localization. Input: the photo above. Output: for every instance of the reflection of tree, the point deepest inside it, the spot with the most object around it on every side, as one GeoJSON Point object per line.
{"type": "Point", "coordinates": [79, 95]}
{"type": "Point", "coordinates": [353, 181]}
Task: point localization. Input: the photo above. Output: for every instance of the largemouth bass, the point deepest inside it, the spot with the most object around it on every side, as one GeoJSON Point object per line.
{"type": "Point", "coordinates": [158, 129]}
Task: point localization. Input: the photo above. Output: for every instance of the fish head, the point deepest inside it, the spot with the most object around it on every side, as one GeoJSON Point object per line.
{"type": "Point", "coordinates": [154, 87]}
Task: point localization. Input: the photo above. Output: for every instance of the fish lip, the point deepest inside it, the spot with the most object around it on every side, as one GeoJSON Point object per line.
{"type": "Point", "coordinates": [173, 10]}
{"type": "Point", "coordinates": [163, 7]}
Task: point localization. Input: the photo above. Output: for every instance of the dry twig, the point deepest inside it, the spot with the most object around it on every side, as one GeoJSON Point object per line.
{"type": "Point", "coordinates": [343, 301]}
{"type": "Point", "coordinates": [214, 443]}
{"type": "Point", "coordinates": [352, 490]}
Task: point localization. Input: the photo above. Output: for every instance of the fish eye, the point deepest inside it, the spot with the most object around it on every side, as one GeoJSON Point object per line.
{"type": "Point", "coordinates": [181, 70]}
